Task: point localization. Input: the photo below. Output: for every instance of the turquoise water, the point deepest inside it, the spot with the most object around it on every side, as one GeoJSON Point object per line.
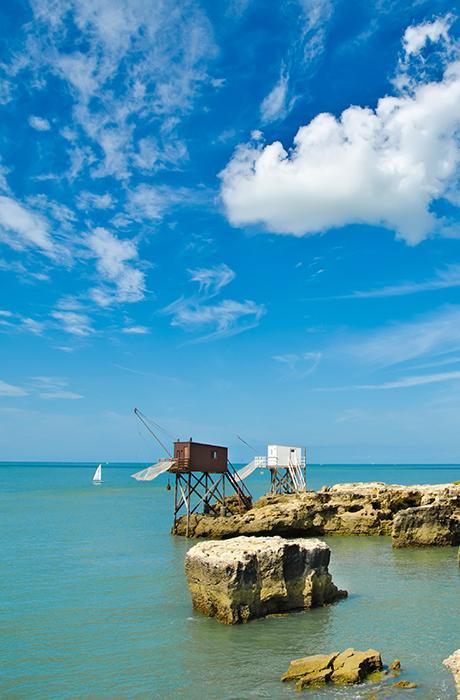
{"type": "Point", "coordinates": [94, 604]}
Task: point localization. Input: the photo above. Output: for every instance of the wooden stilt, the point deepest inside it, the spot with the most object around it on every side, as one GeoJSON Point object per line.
{"type": "Point", "coordinates": [205, 492]}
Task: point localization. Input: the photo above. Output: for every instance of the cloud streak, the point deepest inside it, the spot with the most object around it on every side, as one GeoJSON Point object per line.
{"type": "Point", "coordinates": [402, 383]}
{"type": "Point", "coordinates": [11, 391]}
{"type": "Point", "coordinates": [444, 279]}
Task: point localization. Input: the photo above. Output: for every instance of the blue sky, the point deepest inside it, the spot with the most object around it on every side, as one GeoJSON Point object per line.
{"type": "Point", "coordinates": [241, 217]}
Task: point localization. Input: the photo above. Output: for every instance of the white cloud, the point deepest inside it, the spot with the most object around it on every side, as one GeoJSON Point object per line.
{"type": "Point", "coordinates": [89, 200]}
{"type": "Point", "coordinates": [212, 280]}
{"type": "Point", "coordinates": [11, 391]}
{"type": "Point", "coordinates": [39, 124]}
{"type": "Point", "coordinates": [115, 258]}
{"type": "Point", "coordinates": [32, 326]}
{"type": "Point", "coordinates": [74, 323]}
{"type": "Point", "coordinates": [416, 36]}
{"type": "Point", "coordinates": [60, 394]}
{"type": "Point", "coordinates": [136, 330]}
{"type": "Point", "coordinates": [223, 318]}
{"type": "Point", "coordinates": [316, 15]}
{"type": "Point", "coordinates": [4, 187]}
{"type": "Point", "coordinates": [145, 202]}
{"type": "Point", "coordinates": [380, 167]}
{"type": "Point", "coordinates": [172, 45]}
{"type": "Point", "coordinates": [275, 105]}
{"type": "Point", "coordinates": [22, 227]}
{"type": "Point", "coordinates": [54, 388]}
{"type": "Point", "coordinates": [444, 279]}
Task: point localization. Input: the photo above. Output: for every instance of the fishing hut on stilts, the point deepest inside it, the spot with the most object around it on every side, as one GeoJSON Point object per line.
{"type": "Point", "coordinates": [287, 466]}
{"type": "Point", "coordinates": [205, 481]}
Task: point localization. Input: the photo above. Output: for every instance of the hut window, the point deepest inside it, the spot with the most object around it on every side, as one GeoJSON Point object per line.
{"type": "Point", "coordinates": [214, 454]}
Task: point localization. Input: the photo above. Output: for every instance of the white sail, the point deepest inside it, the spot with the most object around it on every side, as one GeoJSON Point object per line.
{"type": "Point", "coordinates": [98, 474]}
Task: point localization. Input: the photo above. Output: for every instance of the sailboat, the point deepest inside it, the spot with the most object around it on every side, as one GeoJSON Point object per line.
{"type": "Point", "coordinates": [97, 478]}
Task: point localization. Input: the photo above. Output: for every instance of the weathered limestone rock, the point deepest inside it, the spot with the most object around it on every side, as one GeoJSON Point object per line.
{"type": "Point", "coordinates": [437, 524]}
{"type": "Point", "coordinates": [249, 577]}
{"type": "Point", "coordinates": [344, 509]}
{"type": "Point", "coordinates": [350, 666]}
{"type": "Point", "coordinates": [311, 670]}
{"type": "Point", "coordinates": [453, 664]}
{"type": "Point", "coordinates": [354, 666]}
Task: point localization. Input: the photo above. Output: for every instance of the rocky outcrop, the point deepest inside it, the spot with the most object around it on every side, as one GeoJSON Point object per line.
{"type": "Point", "coordinates": [344, 509]}
{"type": "Point", "coordinates": [249, 577]}
{"type": "Point", "coordinates": [453, 664]}
{"type": "Point", "coordinates": [437, 524]}
{"type": "Point", "coordinates": [349, 667]}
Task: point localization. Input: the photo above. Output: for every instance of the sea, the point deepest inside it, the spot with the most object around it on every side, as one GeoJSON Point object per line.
{"type": "Point", "coordinates": [94, 601]}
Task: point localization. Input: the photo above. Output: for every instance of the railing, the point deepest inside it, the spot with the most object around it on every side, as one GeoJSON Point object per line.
{"type": "Point", "coordinates": [239, 486]}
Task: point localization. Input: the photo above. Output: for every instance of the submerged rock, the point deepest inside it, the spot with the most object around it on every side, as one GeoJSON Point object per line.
{"type": "Point", "coordinates": [250, 577]}
{"type": "Point", "coordinates": [349, 667]}
{"type": "Point", "coordinates": [345, 509]}
{"type": "Point", "coordinates": [404, 684]}
{"type": "Point", "coordinates": [453, 664]}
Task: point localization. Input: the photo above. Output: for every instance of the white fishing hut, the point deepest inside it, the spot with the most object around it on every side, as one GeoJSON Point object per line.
{"type": "Point", "coordinates": [287, 465]}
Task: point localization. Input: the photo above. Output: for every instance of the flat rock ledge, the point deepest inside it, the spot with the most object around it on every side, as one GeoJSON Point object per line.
{"type": "Point", "coordinates": [425, 515]}
{"type": "Point", "coordinates": [453, 664]}
{"type": "Point", "coordinates": [348, 667]}
{"type": "Point", "coordinates": [249, 577]}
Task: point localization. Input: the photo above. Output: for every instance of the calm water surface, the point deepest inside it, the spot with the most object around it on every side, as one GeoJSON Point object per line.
{"type": "Point", "coordinates": [94, 604]}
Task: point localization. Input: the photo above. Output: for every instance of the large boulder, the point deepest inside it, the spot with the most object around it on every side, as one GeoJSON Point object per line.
{"type": "Point", "coordinates": [453, 664]}
{"type": "Point", "coordinates": [437, 524]}
{"type": "Point", "coordinates": [248, 577]}
{"type": "Point", "coordinates": [349, 667]}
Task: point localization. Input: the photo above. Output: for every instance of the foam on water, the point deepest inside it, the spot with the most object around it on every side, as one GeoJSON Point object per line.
{"type": "Point", "coordinates": [95, 604]}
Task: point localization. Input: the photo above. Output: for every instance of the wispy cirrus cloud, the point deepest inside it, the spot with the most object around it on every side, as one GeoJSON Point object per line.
{"type": "Point", "coordinates": [212, 280]}
{"type": "Point", "coordinates": [136, 330]}
{"type": "Point", "coordinates": [404, 382]}
{"type": "Point", "coordinates": [11, 391]}
{"type": "Point", "coordinates": [227, 317]}
{"type": "Point", "coordinates": [424, 337]}
{"type": "Point", "coordinates": [74, 323]}
{"type": "Point", "coordinates": [276, 104]}
{"type": "Point", "coordinates": [51, 388]}
{"type": "Point", "coordinates": [21, 227]}
{"type": "Point", "coordinates": [172, 44]}
{"type": "Point", "coordinates": [299, 365]}
{"type": "Point", "coordinates": [306, 48]}
{"type": "Point", "coordinates": [220, 319]}
{"type": "Point", "coordinates": [443, 279]}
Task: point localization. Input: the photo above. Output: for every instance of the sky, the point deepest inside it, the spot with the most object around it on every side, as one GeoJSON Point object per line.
{"type": "Point", "coordinates": [241, 217]}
